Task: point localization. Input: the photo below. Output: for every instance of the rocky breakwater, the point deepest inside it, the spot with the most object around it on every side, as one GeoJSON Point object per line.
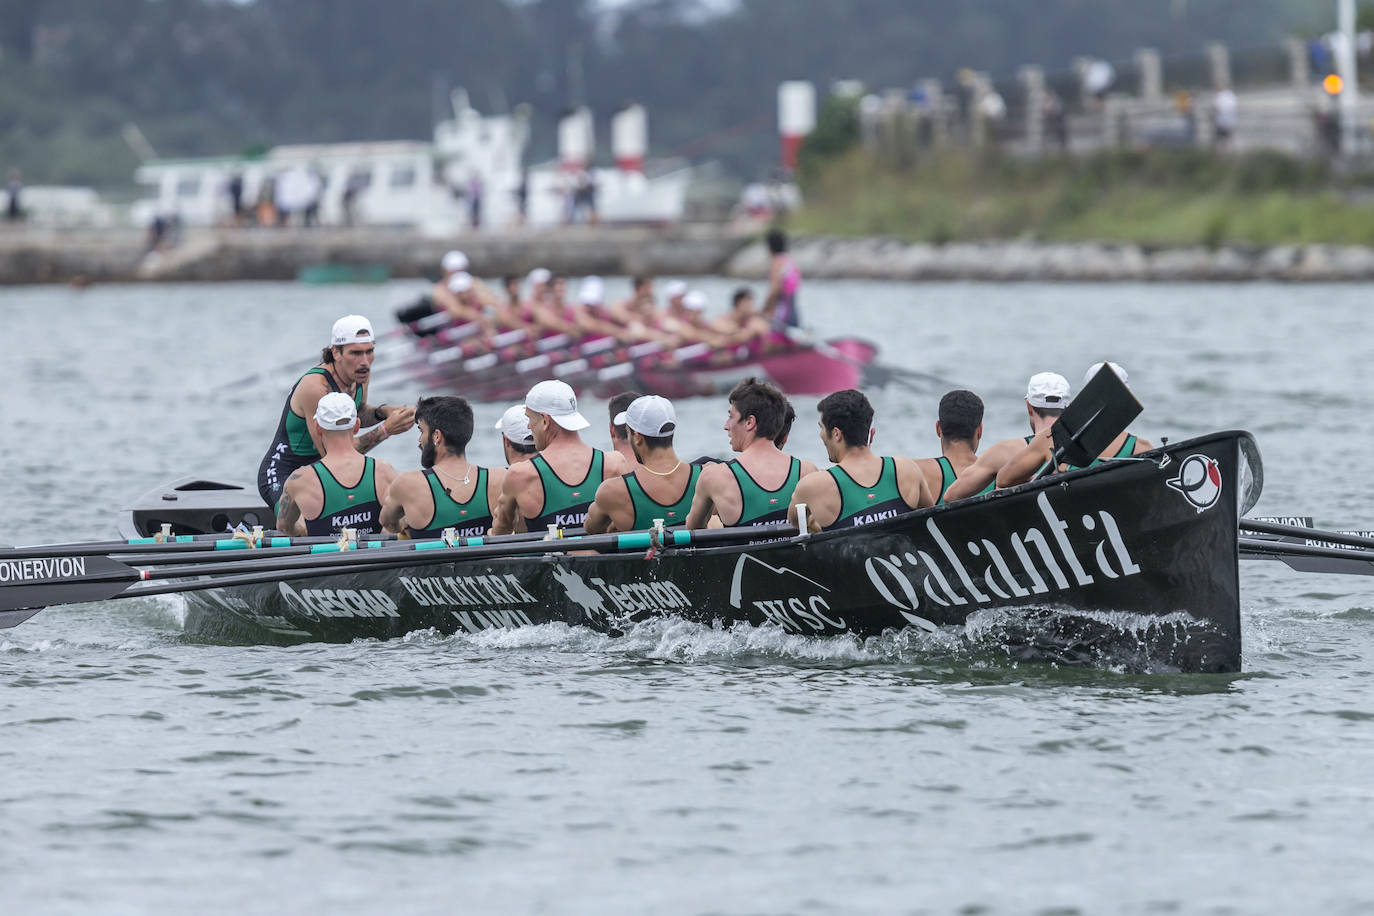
{"type": "Point", "coordinates": [1014, 261]}
{"type": "Point", "coordinates": [45, 256]}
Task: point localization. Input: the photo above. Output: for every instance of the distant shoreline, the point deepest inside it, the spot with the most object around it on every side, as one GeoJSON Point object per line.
{"type": "Point", "coordinates": [31, 256]}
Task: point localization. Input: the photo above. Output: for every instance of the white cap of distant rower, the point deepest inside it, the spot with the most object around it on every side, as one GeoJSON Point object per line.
{"type": "Point", "coordinates": [557, 399]}
{"type": "Point", "coordinates": [540, 275]}
{"type": "Point", "coordinates": [460, 282]}
{"type": "Point", "coordinates": [1048, 389]}
{"type": "Point", "coordinates": [1120, 373]}
{"type": "Point", "coordinates": [515, 426]}
{"type": "Point", "coordinates": [335, 411]}
{"type": "Point", "coordinates": [592, 291]}
{"type": "Point", "coordinates": [675, 288]}
{"type": "Point", "coordinates": [695, 300]}
{"type": "Point", "coordinates": [351, 329]}
{"type": "Point", "coordinates": [650, 415]}
{"type": "Point", "coordinates": [454, 261]}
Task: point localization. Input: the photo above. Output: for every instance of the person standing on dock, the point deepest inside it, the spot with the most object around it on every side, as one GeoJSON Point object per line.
{"type": "Point", "coordinates": [959, 429]}
{"type": "Point", "coordinates": [449, 491]}
{"type": "Point", "coordinates": [662, 484]}
{"type": "Point", "coordinates": [784, 281]}
{"type": "Point", "coordinates": [834, 497]}
{"type": "Point", "coordinates": [756, 487]}
{"type": "Point", "coordinates": [345, 366]}
{"type": "Point", "coordinates": [315, 501]}
{"type": "Point", "coordinates": [538, 490]}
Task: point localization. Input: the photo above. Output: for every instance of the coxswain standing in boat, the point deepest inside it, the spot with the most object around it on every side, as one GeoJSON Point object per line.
{"type": "Point", "coordinates": [660, 487]}
{"type": "Point", "coordinates": [539, 490]}
{"type": "Point", "coordinates": [620, 433]}
{"type": "Point", "coordinates": [449, 491]}
{"type": "Point", "coordinates": [1038, 452]}
{"type": "Point", "coordinates": [959, 429]}
{"type": "Point", "coordinates": [835, 498]}
{"type": "Point", "coordinates": [317, 501]}
{"type": "Point", "coordinates": [345, 366]}
{"type": "Point", "coordinates": [755, 488]}
{"type": "Point", "coordinates": [1047, 394]}
{"type": "Point", "coordinates": [784, 282]}
{"type": "Point", "coordinates": [517, 442]}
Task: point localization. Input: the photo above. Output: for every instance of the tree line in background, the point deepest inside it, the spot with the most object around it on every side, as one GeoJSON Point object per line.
{"type": "Point", "coordinates": [206, 77]}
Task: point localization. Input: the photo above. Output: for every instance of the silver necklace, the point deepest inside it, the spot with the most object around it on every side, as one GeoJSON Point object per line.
{"type": "Point", "coordinates": [466, 474]}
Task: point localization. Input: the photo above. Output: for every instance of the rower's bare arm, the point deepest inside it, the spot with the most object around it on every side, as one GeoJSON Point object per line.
{"type": "Point", "coordinates": [808, 467]}
{"type": "Point", "coordinates": [982, 472]}
{"type": "Point", "coordinates": [393, 515]}
{"type": "Point", "coordinates": [607, 508]}
{"type": "Point", "coordinates": [289, 519]}
{"type": "Point", "coordinates": [915, 488]}
{"type": "Point", "coordinates": [1023, 465]}
{"type": "Point", "coordinates": [811, 492]}
{"type": "Point", "coordinates": [1142, 445]}
{"type": "Point", "coordinates": [305, 400]}
{"type": "Point", "coordinates": [703, 503]}
{"type": "Point", "coordinates": [518, 478]}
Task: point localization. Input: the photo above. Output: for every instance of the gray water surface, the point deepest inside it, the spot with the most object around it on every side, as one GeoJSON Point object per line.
{"type": "Point", "coordinates": [681, 769]}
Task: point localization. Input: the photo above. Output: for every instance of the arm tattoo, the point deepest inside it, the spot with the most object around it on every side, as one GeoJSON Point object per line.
{"type": "Point", "coordinates": [368, 440]}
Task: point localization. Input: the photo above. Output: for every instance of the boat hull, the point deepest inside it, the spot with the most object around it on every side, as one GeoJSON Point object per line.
{"type": "Point", "coordinates": [1133, 562]}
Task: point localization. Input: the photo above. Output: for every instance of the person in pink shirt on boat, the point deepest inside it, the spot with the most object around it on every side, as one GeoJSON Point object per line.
{"type": "Point", "coordinates": [784, 281]}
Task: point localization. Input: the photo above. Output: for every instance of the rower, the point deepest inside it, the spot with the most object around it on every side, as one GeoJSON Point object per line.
{"type": "Point", "coordinates": [959, 429]}
{"type": "Point", "coordinates": [315, 501]}
{"type": "Point", "coordinates": [539, 490]}
{"type": "Point", "coordinates": [784, 280]}
{"type": "Point", "coordinates": [451, 263]}
{"type": "Point", "coordinates": [1037, 453]}
{"type": "Point", "coordinates": [742, 325]}
{"type": "Point", "coordinates": [552, 313]}
{"type": "Point", "coordinates": [756, 487]}
{"type": "Point", "coordinates": [345, 365]}
{"type": "Point", "coordinates": [461, 302]}
{"type": "Point", "coordinates": [517, 442]}
{"type": "Point", "coordinates": [620, 433]}
{"type": "Point", "coordinates": [591, 316]}
{"type": "Point", "coordinates": [640, 306]}
{"type": "Point", "coordinates": [449, 491]}
{"type": "Point", "coordinates": [1047, 394]}
{"type": "Point", "coordinates": [834, 497]}
{"type": "Point", "coordinates": [662, 484]}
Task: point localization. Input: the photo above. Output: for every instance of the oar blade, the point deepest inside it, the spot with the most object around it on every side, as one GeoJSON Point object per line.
{"type": "Point", "coordinates": [1100, 413]}
{"type": "Point", "coordinates": [61, 580]}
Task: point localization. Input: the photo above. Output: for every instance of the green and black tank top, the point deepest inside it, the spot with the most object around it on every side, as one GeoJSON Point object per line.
{"type": "Point", "coordinates": [469, 519]}
{"type": "Point", "coordinates": [760, 506]}
{"type": "Point", "coordinates": [292, 446]}
{"type": "Point", "coordinates": [565, 505]}
{"type": "Point", "coordinates": [647, 508]}
{"type": "Point", "coordinates": [356, 507]}
{"type": "Point", "coordinates": [1127, 450]}
{"type": "Point", "coordinates": [947, 478]}
{"type": "Point", "coordinates": [860, 505]}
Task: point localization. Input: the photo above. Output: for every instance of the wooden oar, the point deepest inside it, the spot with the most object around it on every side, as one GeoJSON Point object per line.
{"type": "Point", "coordinates": [27, 584]}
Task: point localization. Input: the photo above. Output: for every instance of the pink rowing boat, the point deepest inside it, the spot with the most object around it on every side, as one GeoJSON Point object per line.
{"type": "Point", "coordinates": [455, 357]}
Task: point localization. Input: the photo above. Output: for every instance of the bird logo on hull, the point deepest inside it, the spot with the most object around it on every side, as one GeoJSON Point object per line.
{"type": "Point", "coordinates": [1199, 480]}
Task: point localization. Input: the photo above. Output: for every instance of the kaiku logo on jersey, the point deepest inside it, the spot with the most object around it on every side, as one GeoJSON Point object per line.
{"type": "Point", "coordinates": [1199, 480]}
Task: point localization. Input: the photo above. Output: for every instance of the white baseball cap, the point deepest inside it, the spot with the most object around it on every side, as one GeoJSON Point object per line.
{"type": "Point", "coordinates": [591, 291]}
{"type": "Point", "coordinates": [351, 329]}
{"type": "Point", "coordinates": [460, 282]}
{"type": "Point", "coordinates": [336, 410]}
{"type": "Point", "coordinates": [695, 300]}
{"type": "Point", "coordinates": [650, 415]}
{"type": "Point", "coordinates": [1120, 373]}
{"type": "Point", "coordinates": [675, 288]}
{"type": "Point", "coordinates": [515, 426]}
{"type": "Point", "coordinates": [1048, 389]}
{"type": "Point", "coordinates": [557, 399]}
{"type": "Point", "coordinates": [540, 275]}
{"type": "Point", "coordinates": [454, 261]}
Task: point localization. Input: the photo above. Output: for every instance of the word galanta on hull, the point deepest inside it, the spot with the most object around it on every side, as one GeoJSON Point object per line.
{"type": "Point", "coordinates": [1133, 560]}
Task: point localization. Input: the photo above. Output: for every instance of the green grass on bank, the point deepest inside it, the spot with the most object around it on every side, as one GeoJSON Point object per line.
{"type": "Point", "coordinates": [1154, 198]}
